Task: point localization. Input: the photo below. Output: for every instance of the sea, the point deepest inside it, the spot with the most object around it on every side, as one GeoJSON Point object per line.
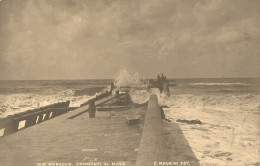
{"type": "Point", "coordinates": [229, 109]}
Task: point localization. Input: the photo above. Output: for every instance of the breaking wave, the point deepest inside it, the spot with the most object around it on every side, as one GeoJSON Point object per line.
{"type": "Point", "coordinates": [191, 100]}
{"type": "Point", "coordinates": [15, 103]}
{"type": "Point", "coordinates": [89, 91]}
{"type": "Point", "coordinates": [125, 78]}
{"type": "Point", "coordinates": [228, 100]}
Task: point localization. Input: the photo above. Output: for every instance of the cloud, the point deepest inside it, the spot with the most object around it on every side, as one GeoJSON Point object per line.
{"type": "Point", "coordinates": [55, 39]}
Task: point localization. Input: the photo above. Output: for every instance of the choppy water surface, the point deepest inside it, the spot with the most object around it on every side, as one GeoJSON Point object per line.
{"type": "Point", "coordinates": [228, 109]}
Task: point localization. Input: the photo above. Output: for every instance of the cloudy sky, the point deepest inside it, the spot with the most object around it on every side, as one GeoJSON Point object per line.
{"type": "Point", "coordinates": [82, 39]}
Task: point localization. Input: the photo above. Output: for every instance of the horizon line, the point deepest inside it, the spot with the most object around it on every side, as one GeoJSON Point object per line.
{"type": "Point", "coordinates": [170, 78]}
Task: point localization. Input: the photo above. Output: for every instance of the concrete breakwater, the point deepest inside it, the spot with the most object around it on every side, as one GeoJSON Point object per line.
{"type": "Point", "coordinates": [153, 142]}
{"type": "Point", "coordinates": [163, 142]}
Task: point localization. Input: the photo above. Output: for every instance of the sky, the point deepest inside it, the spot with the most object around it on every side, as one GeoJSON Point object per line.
{"type": "Point", "coordinates": [95, 39]}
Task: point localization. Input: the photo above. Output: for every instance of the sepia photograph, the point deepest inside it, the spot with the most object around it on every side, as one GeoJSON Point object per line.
{"type": "Point", "coordinates": [129, 82]}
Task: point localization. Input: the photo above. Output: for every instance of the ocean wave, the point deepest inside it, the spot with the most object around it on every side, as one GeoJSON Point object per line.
{"type": "Point", "coordinates": [192, 100]}
{"type": "Point", "coordinates": [89, 91]}
{"type": "Point", "coordinates": [15, 103]}
{"type": "Point", "coordinates": [125, 78]}
{"type": "Point", "coordinates": [218, 84]}
{"type": "Point", "coordinates": [62, 83]}
{"type": "Point", "coordinates": [228, 100]}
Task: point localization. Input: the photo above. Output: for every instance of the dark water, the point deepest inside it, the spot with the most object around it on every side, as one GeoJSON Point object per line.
{"type": "Point", "coordinates": [216, 86]}
{"type": "Point", "coordinates": [52, 86]}
{"type": "Point", "coordinates": [22, 95]}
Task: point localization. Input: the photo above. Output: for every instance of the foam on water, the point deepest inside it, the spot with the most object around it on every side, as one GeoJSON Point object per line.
{"type": "Point", "coordinates": [228, 109]}
{"type": "Point", "coordinates": [19, 96]}
{"type": "Point", "coordinates": [15, 103]}
{"type": "Point", "coordinates": [198, 101]}
{"type": "Point", "coordinates": [125, 78]}
{"type": "Point", "coordinates": [229, 134]}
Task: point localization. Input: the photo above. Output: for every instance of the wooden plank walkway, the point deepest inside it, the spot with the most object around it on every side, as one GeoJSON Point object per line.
{"type": "Point", "coordinates": [74, 141]}
{"type": "Point", "coordinates": [107, 139]}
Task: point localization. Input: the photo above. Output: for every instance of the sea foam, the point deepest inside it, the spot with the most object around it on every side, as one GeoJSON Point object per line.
{"type": "Point", "coordinates": [15, 103]}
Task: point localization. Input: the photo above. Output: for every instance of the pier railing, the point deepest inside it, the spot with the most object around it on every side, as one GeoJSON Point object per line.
{"type": "Point", "coordinates": [98, 97]}
{"type": "Point", "coordinates": [13, 123]}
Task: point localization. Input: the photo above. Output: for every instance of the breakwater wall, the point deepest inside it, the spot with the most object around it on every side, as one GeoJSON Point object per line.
{"type": "Point", "coordinates": [153, 142]}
